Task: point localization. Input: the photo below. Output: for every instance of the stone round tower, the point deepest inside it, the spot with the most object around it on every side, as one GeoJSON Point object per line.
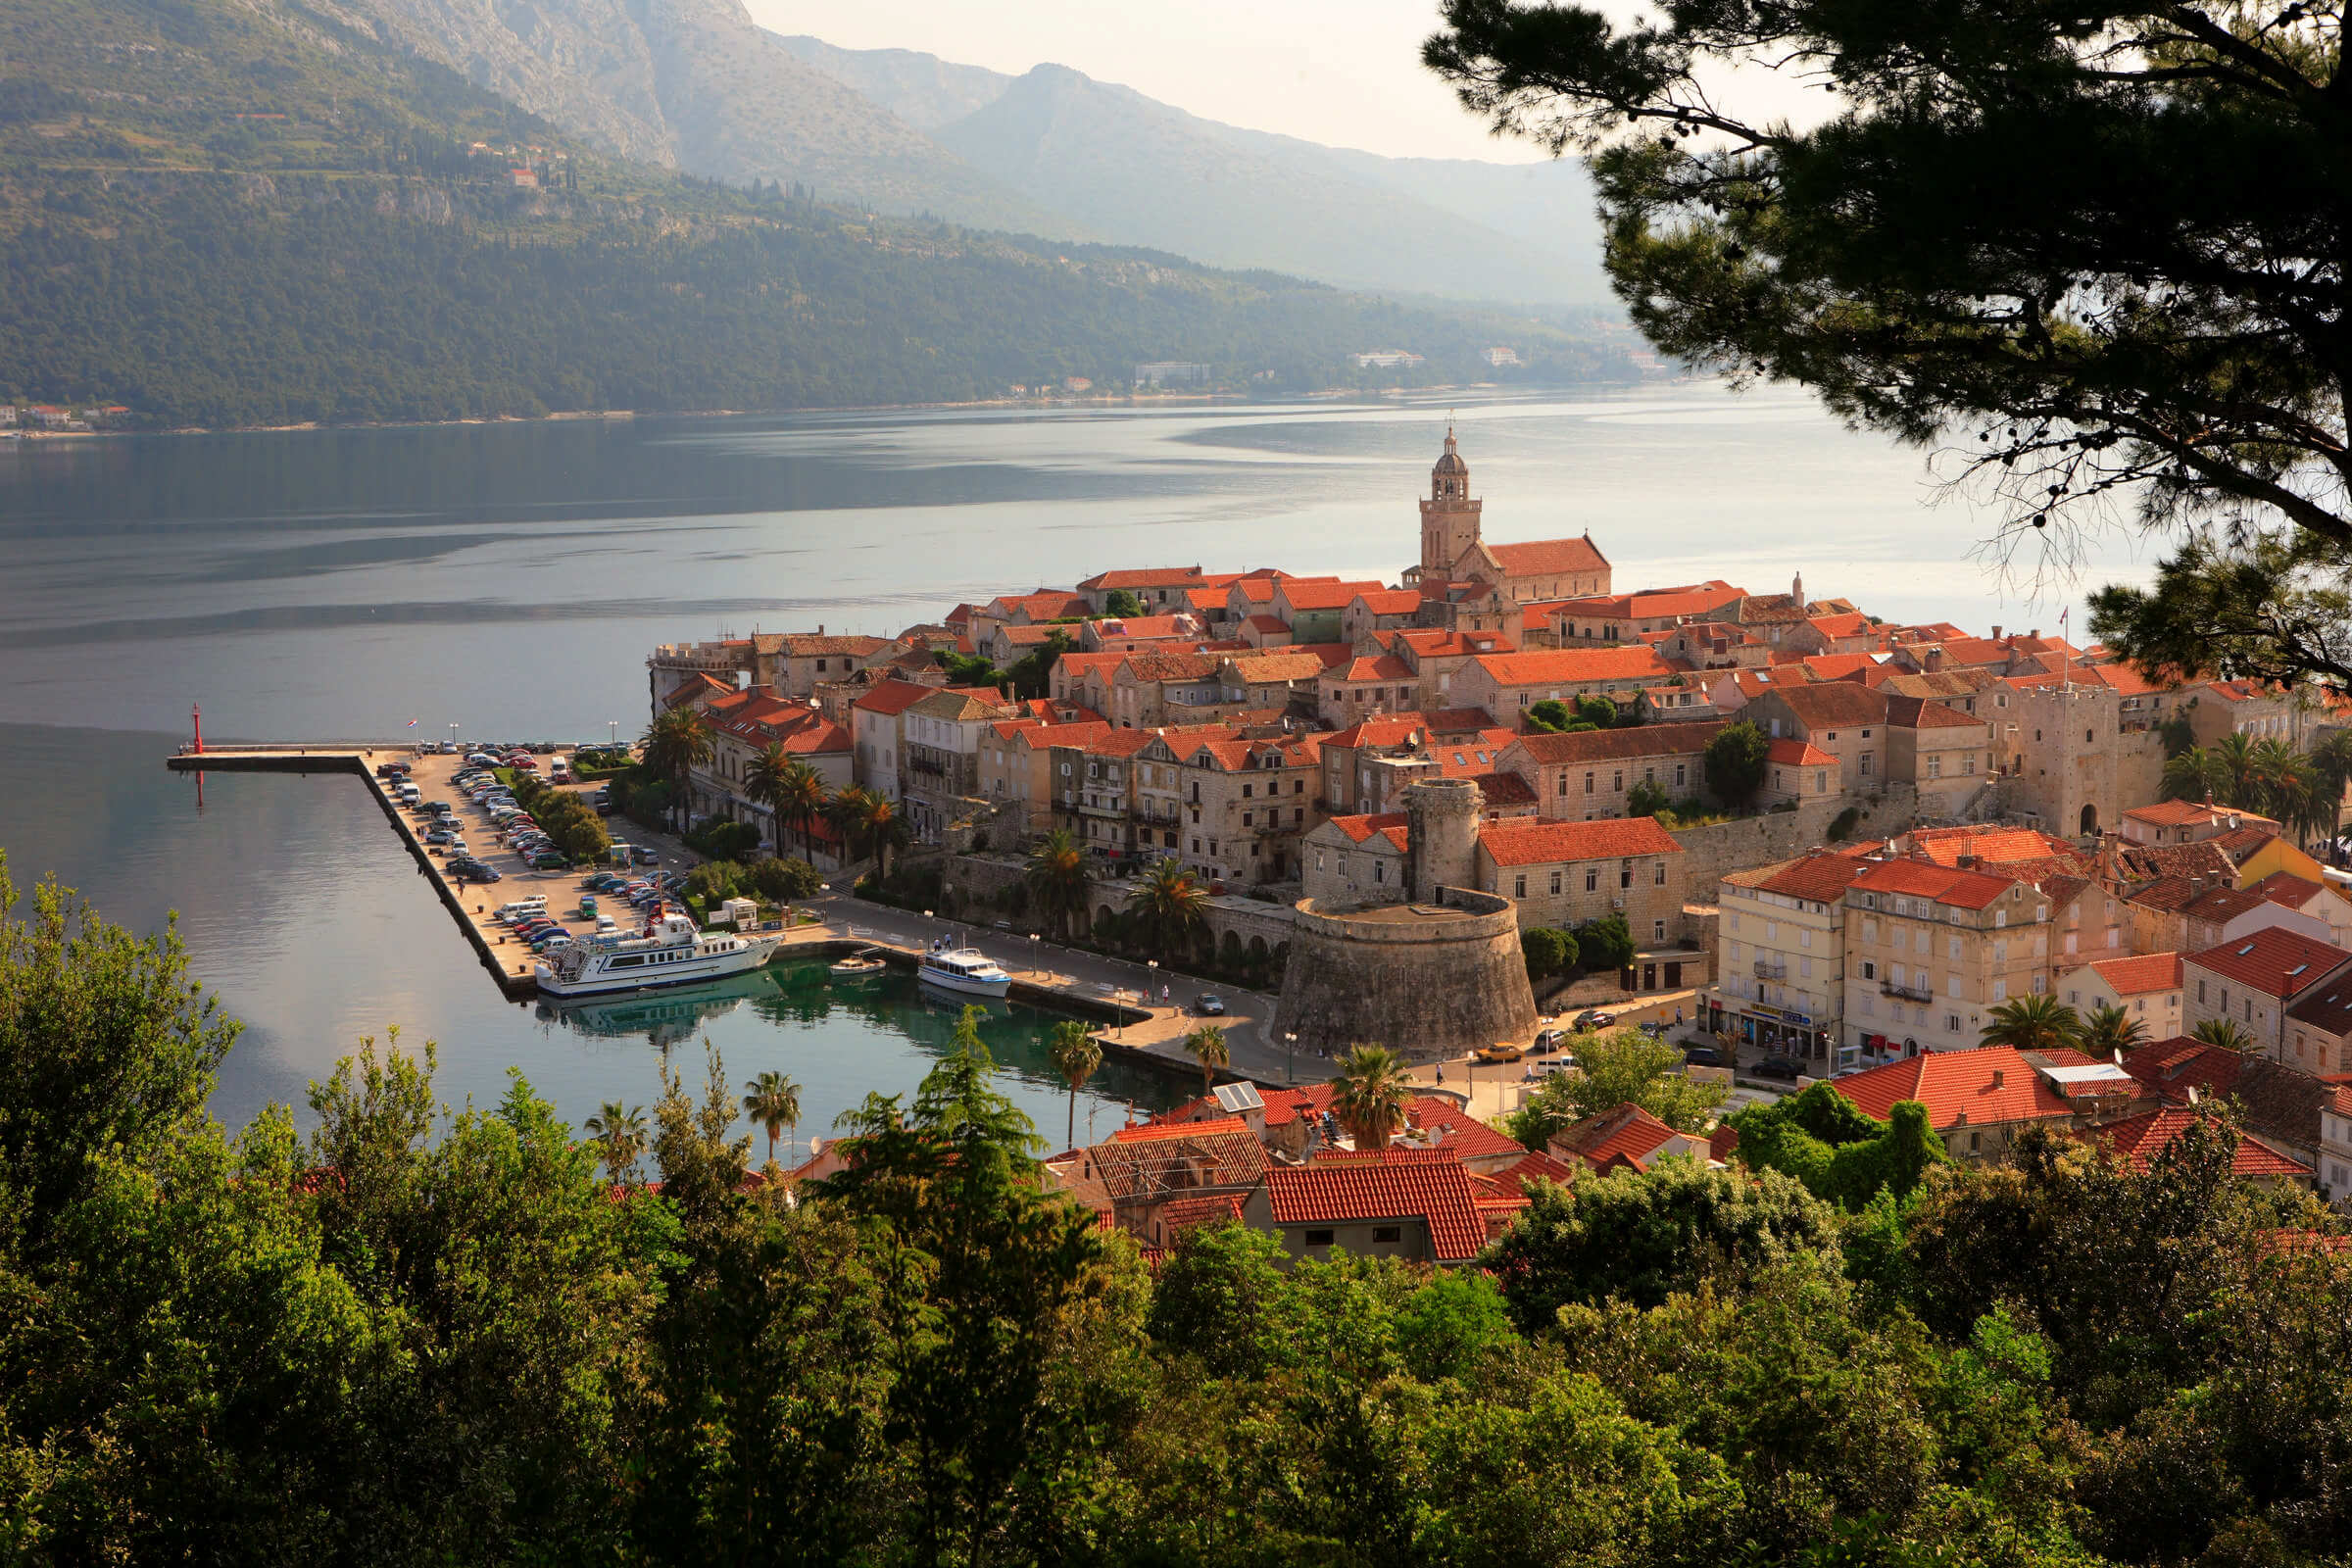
{"type": "Point", "coordinates": [1440, 836]}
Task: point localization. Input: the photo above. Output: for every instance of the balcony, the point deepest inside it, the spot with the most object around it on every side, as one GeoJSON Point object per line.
{"type": "Point", "coordinates": [1771, 972]}
{"type": "Point", "coordinates": [1906, 990]}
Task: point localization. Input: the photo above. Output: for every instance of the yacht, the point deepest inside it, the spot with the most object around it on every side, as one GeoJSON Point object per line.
{"type": "Point", "coordinates": [965, 969]}
{"type": "Point", "coordinates": [671, 951]}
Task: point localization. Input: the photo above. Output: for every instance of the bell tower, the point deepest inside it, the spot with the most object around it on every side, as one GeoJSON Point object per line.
{"type": "Point", "coordinates": [1450, 516]}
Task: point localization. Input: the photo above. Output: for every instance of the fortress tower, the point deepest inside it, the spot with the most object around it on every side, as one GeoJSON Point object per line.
{"type": "Point", "coordinates": [1440, 836]}
{"type": "Point", "coordinates": [1448, 517]}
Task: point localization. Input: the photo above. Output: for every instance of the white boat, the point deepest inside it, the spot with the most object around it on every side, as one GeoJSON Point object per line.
{"type": "Point", "coordinates": [857, 965]}
{"type": "Point", "coordinates": [964, 969]}
{"type": "Point", "coordinates": [670, 951]}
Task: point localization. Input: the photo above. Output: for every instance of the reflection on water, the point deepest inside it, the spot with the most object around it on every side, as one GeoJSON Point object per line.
{"type": "Point", "coordinates": [305, 917]}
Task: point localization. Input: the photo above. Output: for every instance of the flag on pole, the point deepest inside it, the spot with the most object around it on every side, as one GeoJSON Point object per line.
{"type": "Point", "coordinates": [411, 724]}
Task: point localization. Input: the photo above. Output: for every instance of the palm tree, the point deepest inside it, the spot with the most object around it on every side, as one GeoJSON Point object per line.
{"type": "Point", "coordinates": [2331, 767]}
{"type": "Point", "coordinates": [2222, 1032]}
{"type": "Point", "coordinates": [2110, 1031]}
{"type": "Point", "coordinates": [675, 744]}
{"type": "Point", "coordinates": [1075, 1053]}
{"type": "Point", "coordinates": [882, 830]}
{"type": "Point", "coordinates": [1207, 1045]}
{"type": "Point", "coordinates": [1369, 1094]}
{"type": "Point", "coordinates": [846, 810]}
{"type": "Point", "coordinates": [2194, 774]}
{"type": "Point", "coordinates": [799, 799]}
{"type": "Point", "coordinates": [2241, 772]}
{"type": "Point", "coordinates": [1171, 904]}
{"type": "Point", "coordinates": [1057, 878]}
{"type": "Point", "coordinates": [772, 1100]}
{"type": "Point", "coordinates": [2279, 776]}
{"type": "Point", "coordinates": [622, 1135]}
{"type": "Point", "coordinates": [2036, 1022]}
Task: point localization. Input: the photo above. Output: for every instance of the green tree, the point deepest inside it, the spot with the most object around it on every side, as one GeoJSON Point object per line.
{"type": "Point", "coordinates": [675, 744]}
{"type": "Point", "coordinates": [619, 1135]}
{"type": "Point", "coordinates": [1032, 675]}
{"type": "Point", "coordinates": [1601, 712]}
{"type": "Point", "coordinates": [2224, 1033]}
{"type": "Point", "coordinates": [2110, 1033]}
{"type": "Point", "coordinates": [1449, 1326]}
{"type": "Point", "coordinates": [1624, 1067]}
{"type": "Point", "coordinates": [1646, 798]}
{"type": "Point", "coordinates": [1842, 1155]}
{"type": "Point", "coordinates": [1369, 1094]}
{"type": "Point", "coordinates": [1170, 905]}
{"type": "Point", "coordinates": [1604, 943]}
{"type": "Point", "coordinates": [1735, 761]}
{"type": "Point", "coordinates": [1056, 879]}
{"type": "Point", "coordinates": [1122, 604]}
{"type": "Point", "coordinates": [789, 789]}
{"type": "Point", "coordinates": [772, 1100]}
{"type": "Point", "coordinates": [2142, 345]}
{"type": "Point", "coordinates": [781, 881]}
{"type": "Point", "coordinates": [1642, 1235]}
{"type": "Point", "coordinates": [1207, 1045]}
{"type": "Point", "coordinates": [1549, 717]}
{"type": "Point", "coordinates": [1075, 1053]}
{"type": "Point", "coordinates": [2037, 1021]}
{"type": "Point", "coordinates": [2194, 774]}
{"type": "Point", "coordinates": [1547, 951]}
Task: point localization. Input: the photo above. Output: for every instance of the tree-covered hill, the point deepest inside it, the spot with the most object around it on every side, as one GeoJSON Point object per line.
{"type": "Point", "coordinates": [219, 213]}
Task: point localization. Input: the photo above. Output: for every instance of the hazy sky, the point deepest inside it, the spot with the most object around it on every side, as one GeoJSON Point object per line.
{"type": "Point", "coordinates": [1345, 73]}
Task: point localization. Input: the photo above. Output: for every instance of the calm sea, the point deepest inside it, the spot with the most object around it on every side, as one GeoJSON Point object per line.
{"type": "Point", "coordinates": [510, 578]}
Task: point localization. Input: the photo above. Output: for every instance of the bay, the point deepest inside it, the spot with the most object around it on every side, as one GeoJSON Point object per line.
{"type": "Point", "coordinates": [510, 579]}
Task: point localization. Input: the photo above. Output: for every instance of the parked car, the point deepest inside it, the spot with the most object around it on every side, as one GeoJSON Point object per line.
{"type": "Point", "coordinates": [550, 861]}
{"type": "Point", "coordinates": [1701, 1057]}
{"type": "Point", "coordinates": [1550, 1039]}
{"type": "Point", "coordinates": [1208, 1006]}
{"type": "Point", "coordinates": [1538, 1071]}
{"type": "Point", "coordinates": [1503, 1050]}
{"type": "Point", "coordinates": [440, 834]}
{"type": "Point", "coordinates": [1594, 1018]}
{"type": "Point", "coordinates": [1784, 1070]}
{"type": "Point", "coordinates": [639, 854]}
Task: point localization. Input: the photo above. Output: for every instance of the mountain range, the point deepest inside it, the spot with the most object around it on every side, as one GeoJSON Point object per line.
{"type": "Point", "coordinates": [696, 86]}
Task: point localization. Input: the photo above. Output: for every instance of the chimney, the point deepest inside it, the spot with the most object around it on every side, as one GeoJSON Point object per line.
{"type": "Point", "coordinates": [1996, 632]}
{"type": "Point", "coordinates": [820, 628]}
{"type": "Point", "coordinates": [2000, 1076]}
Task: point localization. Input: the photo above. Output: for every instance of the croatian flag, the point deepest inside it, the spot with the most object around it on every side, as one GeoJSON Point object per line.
{"type": "Point", "coordinates": [411, 724]}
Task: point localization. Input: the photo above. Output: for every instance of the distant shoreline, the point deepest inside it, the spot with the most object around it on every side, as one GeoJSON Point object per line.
{"type": "Point", "coordinates": [618, 416]}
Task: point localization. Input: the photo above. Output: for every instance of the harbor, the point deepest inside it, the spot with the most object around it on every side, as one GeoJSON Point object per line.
{"type": "Point", "coordinates": [1139, 1024]}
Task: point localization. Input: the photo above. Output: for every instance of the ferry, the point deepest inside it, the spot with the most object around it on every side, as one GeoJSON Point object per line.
{"type": "Point", "coordinates": [964, 969]}
{"type": "Point", "coordinates": [671, 951]}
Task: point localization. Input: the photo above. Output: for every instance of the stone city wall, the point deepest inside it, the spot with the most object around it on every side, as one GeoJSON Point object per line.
{"type": "Point", "coordinates": [1750, 841]}
{"type": "Point", "coordinates": [1427, 986]}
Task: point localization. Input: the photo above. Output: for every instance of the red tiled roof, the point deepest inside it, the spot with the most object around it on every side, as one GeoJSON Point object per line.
{"type": "Point", "coordinates": [1390, 601]}
{"type": "Point", "coordinates": [2287, 889]}
{"type": "Point", "coordinates": [1150, 665]}
{"type": "Point", "coordinates": [1821, 877]}
{"type": "Point", "coordinates": [1503, 789]}
{"type": "Point", "coordinates": [2328, 1008]}
{"type": "Point", "coordinates": [1191, 1213]}
{"type": "Point", "coordinates": [1800, 753]}
{"type": "Point", "coordinates": [1536, 1165]}
{"type": "Point", "coordinates": [1387, 729]}
{"type": "Point", "coordinates": [1431, 1185]}
{"type": "Point", "coordinates": [1145, 578]}
{"type": "Point", "coordinates": [1557, 749]}
{"type": "Point", "coordinates": [1543, 558]}
{"type": "Point", "coordinates": [1922, 712]}
{"type": "Point", "coordinates": [1625, 1130]}
{"type": "Point", "coordinates": [2139, 1140]}
{"type": "Point", "coordinates": [1519, 843]}
{"type": "Point", "coordinates": [1962, 890]}
{"type": "Point", "coordinates": [1833, 702]}
{"type": "Point", "coordinates": [892, 696]}
{"type": "Point", "coordinates": [1993, 845]}
{"type": "Point", "coordinates": [2173, 1067]}
{"type": "Point", "coordinates": [1384, 666]}
{"type": "Point", "coordinates": [1572, 666]}
{"type": "Point", "coordinates": [1953, 1083]}
{"type": "Point", "coordinates": [2275, 961]}
{"type": "Point", "coordinates": [1305, 594]}
{"type": "Point", "coordinates": [2137, 976]}
{"type": "Point", "coordinates": [1150, 1132]}
{"type": "Point", "coordinates": [1361, 826]}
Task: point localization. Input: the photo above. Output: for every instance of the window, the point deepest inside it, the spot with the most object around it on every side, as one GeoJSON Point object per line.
{"type": "Point", "coordinates": [1680, 769]}
{"type": "Point", "coordinates": [1555, 883]}
{"type": "Point", "coordinates": [1588, 783]}
{"type": "Point", "coordinates": [1617, 779]}
{"type": "Point", "coordinates": [1387, 1235]}
{"type": "Point", "coordinates": [1625, 874]}
{"type": "Point", "coordinates": [1519, 887]}
{"type": "Point", "coordinates": [1866, 757]}
{"type": "Point", "coordinates": [2200, 991]}
{"type": "Point", "coordinates": [1870, 970]}
{"type": "Point", "coordinates": [1245, 792]}
{"type": "Point", "coordinates": [1592, 880]}
{"type": "Point", "coordinates": [1951, 1023]}
{"type": "Point", "coordinates": [1657, 930]}
{"type": "Point", "coordinates": [1659, 877]}
{"type": "Point", "coordinates": [1246, 819]}
{"type": "Point", "coordinates": [1318, 1238]}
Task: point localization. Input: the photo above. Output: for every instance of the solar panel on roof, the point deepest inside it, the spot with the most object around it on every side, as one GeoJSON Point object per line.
{"type": "Point", "coordinates": [1239, 1097]}
{"type": "Point", "coordinates": [2248, 947]}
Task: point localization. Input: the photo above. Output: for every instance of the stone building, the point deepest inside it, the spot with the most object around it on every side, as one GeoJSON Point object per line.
{"type": "Point", "coordinates": [1588, 775]}
{"type": "Point", "coordinates": [1246, 804]}
{"type": "Point", "coordinates": [2075, 764]}
{"type": "Point", "coordinates": [2146, 986]}
{"type": "Point", "coordinates": [1932, 950]}
{"type": "Point", "coordinates": [1781, 969]}
{"type": "Point", "coordinates": [1454, 549]}
{"type": "Point", "coordinates": [940, 761]}
{"type": "Point", "coordinates": [1843, 719]}
{"type": "Point", "coordinates": [1565, 873]}
{"type": "Point", "coordinates": [2257, 981]}
{"type": "Point", "coordinates": [1508, 685]}
{"type": "Point", "coordinates": [1943, 753]}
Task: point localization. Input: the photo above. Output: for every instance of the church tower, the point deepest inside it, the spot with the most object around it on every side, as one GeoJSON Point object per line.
{"type": "Point", "coordinates": [1448, 517]}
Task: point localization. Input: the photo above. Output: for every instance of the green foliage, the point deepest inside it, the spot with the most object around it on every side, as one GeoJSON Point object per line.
{"type": "Point", "coordinates": [1604, 943]}
{"type": "Point", "coordinates": [1122, 604]}
{"type": "Point", "coordinates": [1735, 761]}
{"type": "Point", "coordinates": [1624, 1067]}
{"type": "Point", "coordinates": [1842, 1155]}
{"type": "Point", "coordinates": [781, 881]}
{"type": "Point", "coordinates": [1841, 827]}
{"type": "Point", "coordinates": [1646, 798]}
{"type": "Point", "coordinates": [1548, 950]}
{"type": "Point", "coordinates": [1549, 717]}
{"type": "Point", "coordinates": [567, 817]}
{"type": "Point", "coordinates": [722, 840]}
{"type": "Point", "coordinates": [714, 881]}
{"type": "Point", "coordinates": [2035, 1021]}
{"type": "Point", "coordinates": [1452, 1324]}
{"type": "Point", "coordinates": [1641, 1236]}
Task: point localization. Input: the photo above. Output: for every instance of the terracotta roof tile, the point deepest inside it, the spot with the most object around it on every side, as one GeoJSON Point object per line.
{"type": "Point", "coordinates": [1574, 665]}
{"type": "Point", "coordinates": [1520, 843]}
{"type": "Point", "coordinates": [1798, 753]}
{"type": "Point", "coordinates": [1833, 702]}
{"type": "Point", "coordinates": [2275, 961]}
{"type": "Point", "coordinates": [1626, 1129]}
{"type": "Point", "coordinates": [1614, 745]}
{"type": "Point", "coordinates": [1962, 890]}
{"type": "Point", "coordinates": [1543, 558]}
{"type": "Point", "coordinates": [1821, 877]}
{"type": "Point", "coordinates": [2141, 1140]}
{"type": "Point", "coordinates": [2173, 1067]}
{"type": "Point", "coordinates": [1431, 1185]}
{"type": "Point", "coordinates": [1989, 1084]}
{"type": "Point", "coordinates": [2139, 975]}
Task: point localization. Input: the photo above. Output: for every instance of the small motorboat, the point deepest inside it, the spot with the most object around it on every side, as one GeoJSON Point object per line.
{"type": "Point", "coordinates": [857, 965]}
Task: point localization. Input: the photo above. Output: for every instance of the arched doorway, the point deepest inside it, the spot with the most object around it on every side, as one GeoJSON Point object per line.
{"type": "Point", "coordinates": [2090, 820]}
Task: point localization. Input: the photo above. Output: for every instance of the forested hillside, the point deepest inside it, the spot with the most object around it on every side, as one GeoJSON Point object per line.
{"type": "Point", "coordinates": [223, 215]}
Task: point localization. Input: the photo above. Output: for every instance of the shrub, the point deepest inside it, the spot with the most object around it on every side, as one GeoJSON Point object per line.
{"type": "Point", "coordinates": [1548, 949]}
{"type": "Point", "coordinates": [1843, 823]}
{"type": "Point", "coordinates": [714, 881]}
{"type": "Point", "coordinates": [1735, 761]}
{"type": "Point", "coordinates": [1646, 799]}
{"type": "Point", "coordinates": [724, 841]}
{"type": "Point", "coordinates": [780, 881]}
{"type": "Point", "coordinates": [1605, 942]}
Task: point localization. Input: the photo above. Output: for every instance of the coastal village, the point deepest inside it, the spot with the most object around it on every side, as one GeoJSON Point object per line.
{"type": "Point", "coordinates": [1834, 847]}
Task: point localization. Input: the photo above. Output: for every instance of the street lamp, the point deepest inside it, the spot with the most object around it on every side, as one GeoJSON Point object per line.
{"type": "Point", "coordinates": [1153, 966]}
{"type": "Point", "coordinates": [453, 734]}
{"type": "Point", "coordinates": [612, 733]}
{"type": "Point", "coordinates": [1289, 1068]}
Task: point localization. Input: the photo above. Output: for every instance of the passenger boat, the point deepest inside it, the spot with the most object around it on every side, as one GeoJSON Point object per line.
{"type": "Point", "coordinates": [671, 951]}
{"type": "Point", "coordinates": [964, 969]}
{"type": "Point", "coordinates": [857, 965]}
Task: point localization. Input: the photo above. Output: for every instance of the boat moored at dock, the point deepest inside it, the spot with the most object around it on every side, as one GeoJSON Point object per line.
{"type": "Point", "coordinates": [964, 969]}
{"type": "Point", "coordinates": [672, 951]}
{"type": "Point", "coordinates": [857, 965]}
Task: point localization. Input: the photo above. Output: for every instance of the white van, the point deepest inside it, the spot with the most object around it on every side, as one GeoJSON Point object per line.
{"type": "Point", "coordinates": [409, 793]}
{"type": "Point", "coordinates": [536, 903]}
{"type": "Point", "coordinates": [558, 769]}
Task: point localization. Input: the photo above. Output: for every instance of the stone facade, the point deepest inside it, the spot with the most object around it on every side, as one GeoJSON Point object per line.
{"type": "Point", "coordinates": [1427, 981]}
{"type": "Point", "coordinates": [1719, 848]}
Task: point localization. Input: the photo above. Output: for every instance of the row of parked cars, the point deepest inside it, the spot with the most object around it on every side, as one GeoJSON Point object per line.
{"type": "Point", "coordinates": [538, 930]}
{"type": "Point", "coordinates": [646, 893]}
{"type": "Point", "coordinates": [514, 825]}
